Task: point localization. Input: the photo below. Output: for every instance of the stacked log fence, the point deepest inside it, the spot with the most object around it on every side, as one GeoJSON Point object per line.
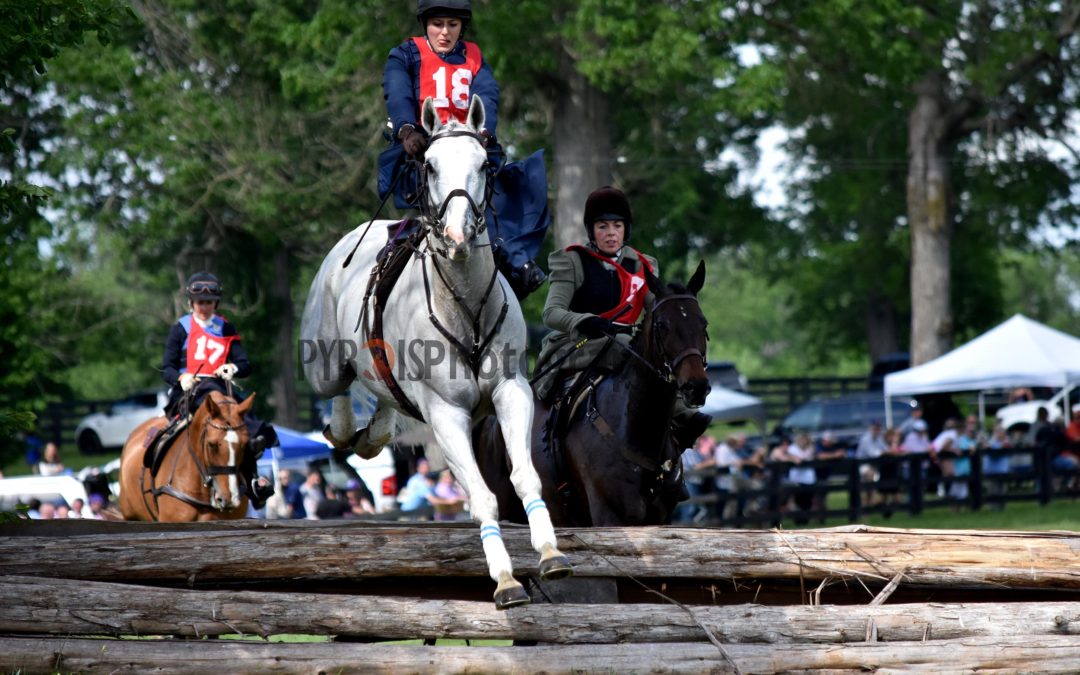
{"type": "Point", "coordinates": [84, 596]}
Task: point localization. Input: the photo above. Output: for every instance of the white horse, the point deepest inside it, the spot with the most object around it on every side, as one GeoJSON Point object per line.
{"type": "Point", "coordinates": [454, 339]}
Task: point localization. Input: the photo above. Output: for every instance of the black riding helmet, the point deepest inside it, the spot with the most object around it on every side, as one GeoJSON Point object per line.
{"type": "Point", "coordinates": [608, 203]}
{"type": "Point", "coordinates": [458, 9]}
{"type": "Point", "coordinates": [203, 286]}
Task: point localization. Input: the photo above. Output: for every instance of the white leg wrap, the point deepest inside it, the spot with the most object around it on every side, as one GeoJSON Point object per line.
{"type": "Point", "coordinates": [494, 550]}
{"type": "Point", "coordinates": [540, 528]}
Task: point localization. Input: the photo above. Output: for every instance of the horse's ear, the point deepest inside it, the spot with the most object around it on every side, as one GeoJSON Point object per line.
{"type": "Point", "coordinates": [246, 405]}
{"type": "Point", "coordinates": [476, 116]}
{"type": "Point", "coordinates": [212, 408]}
{"type": "Point", "coordinates": [697, 281]}
{"type": "Point", "coordinates": [657, 287]}
{"type": "Point", "coordinates": [429, 119]}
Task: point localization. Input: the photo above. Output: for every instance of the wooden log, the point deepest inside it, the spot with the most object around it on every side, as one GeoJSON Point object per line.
{"type": "Point", "coordinates": [1018, 654]}
{"type": "Point", "coordinates": [60, 606]}
{"type": "Point", "coordinates": [267, 550]}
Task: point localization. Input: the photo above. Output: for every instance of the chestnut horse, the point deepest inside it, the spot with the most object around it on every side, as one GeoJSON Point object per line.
{"type": "Point", "coordinates": [199, 477]}
{"type": "Point", "coordinates": [616, 463]}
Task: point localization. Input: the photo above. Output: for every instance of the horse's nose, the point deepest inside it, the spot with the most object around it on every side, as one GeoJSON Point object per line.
{"type": "Point", "coordinates": [218, 501]}
{"type": "Point", "coordinates": [695, 391]}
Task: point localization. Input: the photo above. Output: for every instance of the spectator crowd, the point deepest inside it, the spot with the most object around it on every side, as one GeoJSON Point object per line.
{"type": "Point", "coordinates": [738, 472]}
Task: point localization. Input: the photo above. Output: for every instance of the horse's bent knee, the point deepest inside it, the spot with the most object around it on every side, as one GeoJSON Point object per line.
{"type": "Point", "coordinates": [484, 507]}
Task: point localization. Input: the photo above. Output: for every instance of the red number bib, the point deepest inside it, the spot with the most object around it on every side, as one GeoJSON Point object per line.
{"type": "Point", "coordinates": [447, 85]}
{"type": "Point", "coordinates": [206, 351]}
{"type": "Point", "coordinates": [634, 288]}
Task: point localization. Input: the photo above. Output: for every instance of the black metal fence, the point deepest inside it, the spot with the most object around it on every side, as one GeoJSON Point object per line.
{"type": "Point", "coordinates": [907, 483]}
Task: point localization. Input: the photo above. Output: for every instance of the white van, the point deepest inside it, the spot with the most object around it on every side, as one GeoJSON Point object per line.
{"type": "Point", "coordinates": [20, 489]}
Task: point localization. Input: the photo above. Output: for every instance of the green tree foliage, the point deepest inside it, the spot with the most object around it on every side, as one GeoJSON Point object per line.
{"type": "Point", "coordinates": [36, 343]}
{"type": "Point", "coordinates": [853, 76]}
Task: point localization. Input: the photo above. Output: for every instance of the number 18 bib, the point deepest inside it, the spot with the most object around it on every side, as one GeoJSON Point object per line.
{"type": "Point", "coordinates": [447, 85]}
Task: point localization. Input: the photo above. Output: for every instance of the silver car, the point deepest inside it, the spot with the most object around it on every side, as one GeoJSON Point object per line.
{"type": "Point", "coordinates": [109, 430]}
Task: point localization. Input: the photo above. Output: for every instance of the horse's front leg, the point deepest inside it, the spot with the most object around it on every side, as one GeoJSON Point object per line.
{"type": "Point", "coordinates": [451, 426]}
{"type": "Point", "coordinates": [367, 442]}
{"type": "Point", "coordinates": [513, 401]}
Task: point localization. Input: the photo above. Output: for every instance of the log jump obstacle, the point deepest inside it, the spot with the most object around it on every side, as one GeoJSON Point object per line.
{"type": "Point", "coordinates": [852, 598]}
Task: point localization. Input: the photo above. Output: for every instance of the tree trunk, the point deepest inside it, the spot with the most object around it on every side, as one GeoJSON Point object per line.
{"type": "Point", "coordinates": [36, 605]}
{"type": "Point", "coordinates": [582, 150]}
{"type": "Point", "coordinates": [284, 383]}
{"type": "Point", "coordinates": [928, 183]}
{"type": "Point", "coordinates": [880, 326]}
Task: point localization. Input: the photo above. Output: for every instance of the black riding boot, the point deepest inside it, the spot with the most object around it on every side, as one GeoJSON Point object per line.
{"type": "Point", "coordinates": [686, 430]}
{"type": "Point", "coordinates": [524, 279]}
{"type": "Point", "coordinates": [258, 489]}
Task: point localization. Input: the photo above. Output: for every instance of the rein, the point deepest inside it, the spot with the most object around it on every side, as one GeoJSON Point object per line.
{"type": "Point", "coordinates": [665, 373]}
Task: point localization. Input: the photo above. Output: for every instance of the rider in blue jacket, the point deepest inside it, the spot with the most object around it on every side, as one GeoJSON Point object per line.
{"type": "Point", "coordinates": [450, 70]}
{"type": "Point", "coordinates": [203, 353]}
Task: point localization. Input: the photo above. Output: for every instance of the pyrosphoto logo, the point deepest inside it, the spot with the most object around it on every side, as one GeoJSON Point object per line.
{"type": "Point", "coordinates": [405, 360]}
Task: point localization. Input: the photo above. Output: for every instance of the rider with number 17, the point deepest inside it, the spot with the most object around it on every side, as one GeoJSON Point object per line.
{"type": "Point", "coordinates": [203, 352]}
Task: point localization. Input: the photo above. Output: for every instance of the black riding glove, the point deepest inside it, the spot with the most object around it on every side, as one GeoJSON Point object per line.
{"type": "Point", "coordinates": [595, 326]}
{"type": "Point", "coordinates": [412, 140]}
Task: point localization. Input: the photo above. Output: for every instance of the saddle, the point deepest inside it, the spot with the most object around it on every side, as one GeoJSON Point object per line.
{"type": "Point", "coordinates": [158, 440]}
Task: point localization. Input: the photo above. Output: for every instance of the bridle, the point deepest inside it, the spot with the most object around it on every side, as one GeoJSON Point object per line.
{"type": "Point", "coordinates": [668, 364]}
{"type": "Point", "coordinates": [207, 471]}
{"type": "Point", "coordinates": [432, 213]}
{"type": "Point", "coordinates": [671, 364]}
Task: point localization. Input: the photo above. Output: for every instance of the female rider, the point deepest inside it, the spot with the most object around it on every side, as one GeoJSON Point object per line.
{"type": "Point", "coordinates": [598, 291]}
{"type": "Point", "coordinates": [449, 70]}
{"type": "Point", "coordinates": [203, 352]}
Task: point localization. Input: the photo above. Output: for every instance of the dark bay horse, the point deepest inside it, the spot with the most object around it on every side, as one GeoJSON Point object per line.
{"type": "Point", "coordinates": [199, 477]}
{"type": "Point", "coordinates": [617, 464]}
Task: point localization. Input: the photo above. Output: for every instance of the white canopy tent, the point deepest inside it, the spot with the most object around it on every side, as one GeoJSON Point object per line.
{"type": "Point", "coordinates": [728, 405]}
{"type": "Point", "coordinates": [1018, 352]}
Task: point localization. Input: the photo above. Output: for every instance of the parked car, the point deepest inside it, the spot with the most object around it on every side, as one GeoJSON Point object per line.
{"type": "Point", "coordinates": [847, 417]}
{"type": "Point", "coordinates": [725, 374]}
{"type": "Point", "coordinates": [1018, 417]}
{"type": "Point", "coordinates": [109, 430]}
{"type": "Point", "coordinates": [889, 363]}
{"type": "Point", "coordinates": [20, 489]}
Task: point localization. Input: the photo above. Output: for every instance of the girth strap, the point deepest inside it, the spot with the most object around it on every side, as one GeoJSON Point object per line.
{"type": "Point", "coordinates": [381, 282]}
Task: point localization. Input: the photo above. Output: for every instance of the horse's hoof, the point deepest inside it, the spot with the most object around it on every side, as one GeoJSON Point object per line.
{"type": "Point", "coordinates": [509, 595]}
{"type": "Point", "coordinates": [338, 445]}
{"type": "Point", "coordinates": [555, 567]}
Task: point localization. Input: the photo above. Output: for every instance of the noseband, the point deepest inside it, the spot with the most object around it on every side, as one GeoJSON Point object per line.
{"type": "Point", "coordinates": [207, 474]}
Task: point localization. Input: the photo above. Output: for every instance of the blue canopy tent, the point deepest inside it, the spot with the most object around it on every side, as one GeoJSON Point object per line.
{"type": "Point", "coordinates": [294, 447]}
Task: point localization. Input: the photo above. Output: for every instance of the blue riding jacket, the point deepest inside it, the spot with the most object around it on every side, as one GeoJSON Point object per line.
{"type": "Point", "coordinates": [520, 197]}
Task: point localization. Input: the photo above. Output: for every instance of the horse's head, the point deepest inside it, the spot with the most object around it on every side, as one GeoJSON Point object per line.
{"type": "Point", "coordinates": [220, 441]}
{"type": "Point", "coordinates": [455, 175]}
{"type": "Point", "coordinates": [676, 333]}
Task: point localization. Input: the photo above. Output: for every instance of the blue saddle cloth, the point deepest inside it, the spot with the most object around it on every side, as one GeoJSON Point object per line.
{"type": "Point", "coordinates": [518, 215]}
